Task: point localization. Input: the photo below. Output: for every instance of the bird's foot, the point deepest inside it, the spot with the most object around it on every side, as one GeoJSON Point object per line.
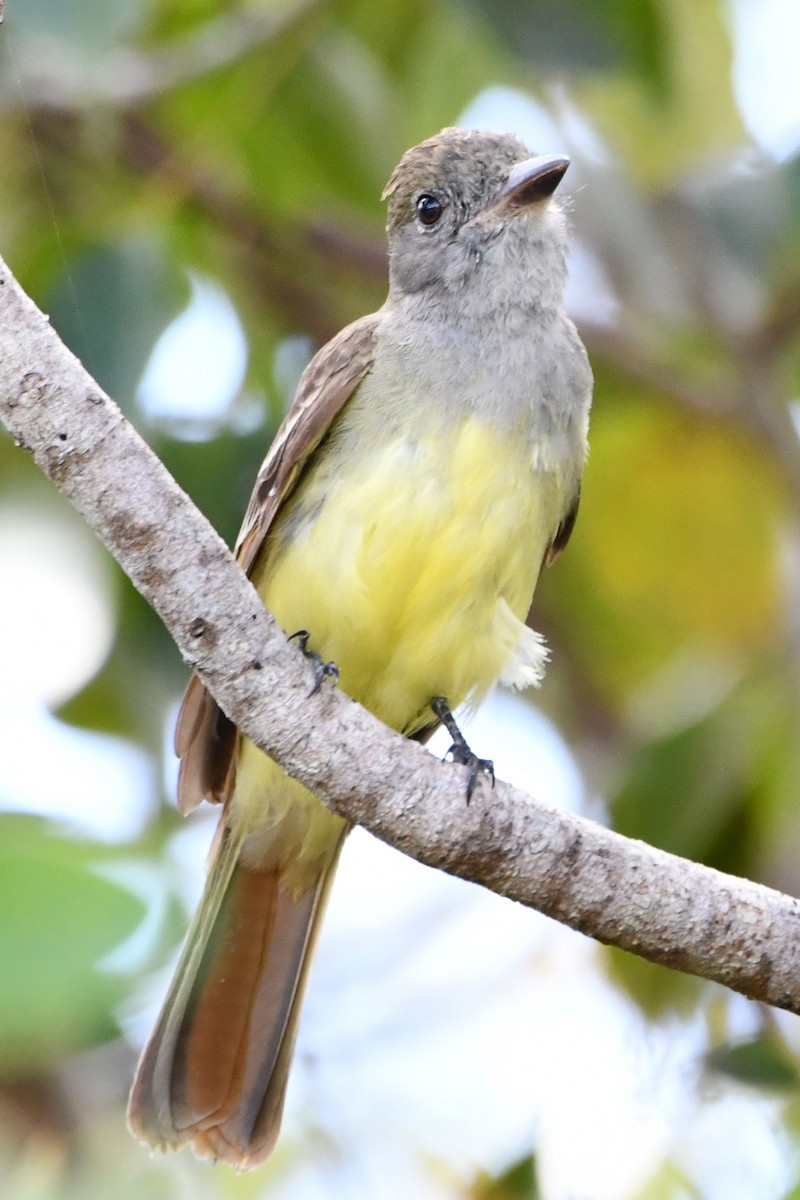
{"type": "Point", "coordinates": [320, 668]}
{"type": "Point", "coordinates": [460, 752]}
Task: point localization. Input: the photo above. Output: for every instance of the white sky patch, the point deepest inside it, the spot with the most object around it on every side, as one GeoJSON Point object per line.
{"type": "Point", "coordinates": [103, 786]}
{"type": "Point", "coordinates": [198, 365]}
{"type": "Point", "coordinates": [766, 37]}
{"type": "Point", "coordinates": [507, 110]}
{"type": "Point", "coordinates": [58, 622]}
{"type": "Point", "coordinates": [794, 412]}
{"type": "Point", "coordinates": [581, 135]}
{"type": "Point", "coordinates": [734, 1149]}
{"type": "Point", "coordinates": [589, 295]}
{"type": "Point", "coordinates": [56, 608]}
{"type": "Point", "coordinates": [558, 128]}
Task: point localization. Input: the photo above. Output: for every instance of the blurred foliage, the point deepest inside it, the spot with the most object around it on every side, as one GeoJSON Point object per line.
{"type": "Point", "coordinates": [764, 1062]}
{"type": "Point", "coordinates": [147, 142]}
{"type": "Point", "coordinates": [60, 918]}
{"type": "Point", "coordinates": [517, 1183]}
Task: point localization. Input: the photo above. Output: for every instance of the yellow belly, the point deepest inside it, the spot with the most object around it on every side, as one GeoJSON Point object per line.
{"type": "Point", "coordinates": [414, 574]}
{"type": "Point", "coordinates": [409, 571]}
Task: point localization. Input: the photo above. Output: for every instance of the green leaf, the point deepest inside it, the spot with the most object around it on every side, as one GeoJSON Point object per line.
{"type": "Point", "coordinates": [667, 115]}
{"type": "Point", "coordinates": [110, 307]}
{"type": "Point", "coordinates": [518, 1182]}
{"type": "Point", "coordinates": [59, 920]}
{"type": "Point", "coordinates": [675, 551]}
{"type": "Point", "coordinates": [715, 791]}
{"type": "Point", "coordinates": [764, 1062]}
{"type": "Point", "coordinates": [587, 35]}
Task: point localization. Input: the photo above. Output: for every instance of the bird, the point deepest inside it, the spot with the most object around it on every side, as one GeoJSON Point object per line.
{"type": "Point", "coordinates": [429, 467]}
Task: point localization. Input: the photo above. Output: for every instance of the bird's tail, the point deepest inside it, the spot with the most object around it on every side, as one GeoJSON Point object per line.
{"type": "Point", "coordinates": [215, 1069]}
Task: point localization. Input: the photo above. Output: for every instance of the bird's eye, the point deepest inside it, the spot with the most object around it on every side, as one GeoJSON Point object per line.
{"type": "Point", "coordinates": [429, 209]}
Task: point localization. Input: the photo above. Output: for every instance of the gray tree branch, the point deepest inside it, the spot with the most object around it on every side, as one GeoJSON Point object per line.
{"type": "Point", "coordinates": [617, 890]}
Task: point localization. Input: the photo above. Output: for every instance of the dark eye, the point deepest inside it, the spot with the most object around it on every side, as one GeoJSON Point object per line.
{"type": "Point", "coordinates": [429, 209]}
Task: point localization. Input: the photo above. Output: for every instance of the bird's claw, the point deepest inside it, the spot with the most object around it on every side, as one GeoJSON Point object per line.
{"type": "Point", "coordinates": [321, 670]}
{"type": "Point", "coordinates": [459, 751]}
{"type": "Point", "coordinates": [475, 766]}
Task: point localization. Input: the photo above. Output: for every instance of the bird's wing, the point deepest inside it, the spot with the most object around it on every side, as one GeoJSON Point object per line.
{"type": "Point", "coordinates": [205, 740]}
{"type": "Point", "coordinates": [563, 533]}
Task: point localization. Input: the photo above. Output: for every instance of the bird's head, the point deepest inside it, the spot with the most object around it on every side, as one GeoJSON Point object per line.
{"type": "Point", "coordinates": [464, 199]}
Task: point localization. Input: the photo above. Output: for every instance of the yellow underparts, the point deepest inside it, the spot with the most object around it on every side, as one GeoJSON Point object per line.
{"type": "Point", "coordinates": [413, 569]}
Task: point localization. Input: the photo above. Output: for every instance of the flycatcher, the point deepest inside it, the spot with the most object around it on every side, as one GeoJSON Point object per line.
{"type": "Point", "coordinates": [429, 466]}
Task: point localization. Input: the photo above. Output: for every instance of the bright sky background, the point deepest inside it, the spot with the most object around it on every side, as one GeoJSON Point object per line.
{"type": "Point", "coordinates": [478, 977]}
{"type": "Point", "coordinates": [766, 38]}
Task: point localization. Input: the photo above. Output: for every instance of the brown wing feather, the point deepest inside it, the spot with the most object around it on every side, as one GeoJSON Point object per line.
{"type": "Point", "coordinates": [205, 740]}
{"type": "Point", "coordinates": [563, 533]}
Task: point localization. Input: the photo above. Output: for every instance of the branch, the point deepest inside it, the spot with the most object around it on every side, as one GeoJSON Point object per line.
{"type": "Point", "coordinates": [617, 890]}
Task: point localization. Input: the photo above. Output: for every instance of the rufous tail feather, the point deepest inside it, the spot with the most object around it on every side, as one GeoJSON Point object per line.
{"type": "Point", "coordinates": [215, 1069]}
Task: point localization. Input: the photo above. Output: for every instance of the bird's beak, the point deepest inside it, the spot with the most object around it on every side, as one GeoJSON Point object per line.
{"type": "Point", "coordinates": [532, 180]}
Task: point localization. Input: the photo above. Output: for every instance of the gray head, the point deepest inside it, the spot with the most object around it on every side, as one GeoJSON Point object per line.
{"type": "Point", "coordinates": [463, 200]}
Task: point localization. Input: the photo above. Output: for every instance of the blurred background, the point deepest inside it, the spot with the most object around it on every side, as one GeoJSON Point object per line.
{"type": "Point", "coordinates": [190, 188]}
